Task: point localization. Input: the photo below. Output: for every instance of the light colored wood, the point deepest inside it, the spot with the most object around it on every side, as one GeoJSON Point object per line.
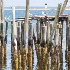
{"type": "Point", "coordinates": [56, 19]}
{"type": "Point", "coordinates": [15, 39]}
{"type": "Point", "coordinates": [57, 35]}
{"type": "Point", "coordinates": [30, 58]}
{"type": "Point", "coordinates": [26, 24]}
{"type": "Point", "coordinates": [64, 6]}
{"type": "Point", "coordinates": [48, 30]}
{"type": "Point", "coordinates": [43, 33]}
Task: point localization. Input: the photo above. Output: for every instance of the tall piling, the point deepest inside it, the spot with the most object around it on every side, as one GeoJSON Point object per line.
{"type": "Point", "coordinates": [38, 31]}
{"type": "Point", "coordinates": [19, 44]}
{"type": "Point", "coordinates": [15, 40]}
{"type": "Point", "coordinates": [26, 24]}
{"type": "Point", "coordinates": [1, 33]}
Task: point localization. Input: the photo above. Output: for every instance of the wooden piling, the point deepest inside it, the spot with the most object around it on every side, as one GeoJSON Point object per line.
{"type": "Point", "coordinates": [5, 42]}
{"type": "Point", "coordinates": [30, 46]}
{"type": "Point", "coordinates": [43, 35]}
{"type": "Point", "coordinates": [23, 58]}
{"type": "Point", "coordinates": [57, 35]}
{"type": "Point", "coordinates": [22, 32]}
{"type": "Point", "coordinates": [1, 33]}
{"type": "Point", "coordinates": [48, 30]}
{"type": "Point", "coordinates": [29, 58]}
{"type": "Point", "coordinates": [26, 24]}
{"type": "Point", "coordinates": [68, 60]}
{"type": "Point", "coordinates": [19, 44]}
{"type": "Point", "coordinates": [64, 6]}
{"type": "Point", "coordinates": [11, 39]}
{"type": "Point", "coordinates": [2, 22]}
{"type": "Point", "coordinates": [38, 31]}
{"type": "Point", "coordinates": [15, 40]}
{"type": "Point", "coordinates": [30, 33]}
{"type": "Point", "coordinates": [56, 20]}
{"type": "Point", "coordinates": [69, 35]}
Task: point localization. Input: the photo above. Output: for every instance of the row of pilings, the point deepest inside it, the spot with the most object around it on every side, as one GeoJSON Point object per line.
{"type": "Point", "coordinates": [49, 53]}
{"type": "Point", "coordinates": [47, 41]}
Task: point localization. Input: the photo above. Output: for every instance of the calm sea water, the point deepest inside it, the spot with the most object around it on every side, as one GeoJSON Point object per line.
{"type": "Point", "coordinates": [21, 13]}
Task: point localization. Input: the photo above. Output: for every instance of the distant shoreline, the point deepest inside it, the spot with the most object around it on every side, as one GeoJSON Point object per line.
{"type": "Point", "coordinates": [36, 9]}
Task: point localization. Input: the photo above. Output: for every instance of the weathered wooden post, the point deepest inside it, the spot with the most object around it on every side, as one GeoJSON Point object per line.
{"type": "Point", "coordinates": [68, 33]}
{"type": "Point", "coordinates": [30, 46]}
{"type": "Point", "coordinates": [64, 6]}
{"type": "Point", "coordinates": [6, 32]}
{"type": "Point", "coordinates": [26, 24]}
{"type": "Point", "coordinates": [48, 30]}
{"type": "Point", "coordinates": [38, 31]}
{"type": "Point", "coordinates": [5, 41]}
{"type": "Point", "coordinates": [22, 32]}
{"type": "Point", "coordinates": [2, 21]}
{"type": "Point", "coordinates": [68, 60]}
{"type": "Point", "coordinates": [19, 46]}
{"type": "Point", "coordinates": [11, 39]}
{"type": "Point", "coordinates": [43, 45]}
{"type": "Point", "coordinates": [24, 53]}
{"type": "Point", "coordinates": [1, 33]}
{"type": "Point", "coordinates": [68, 51]}
{"type": "Point", "coordinates": [15, 39]}
{"type": "Point", "coordinates": [23, 58]}
{"type": "Point", "coordinates": [43, 35]}
{"type": "Point", "coordinates": [56, 20]}
{"type": "Point", "coordinates": [57, 35]}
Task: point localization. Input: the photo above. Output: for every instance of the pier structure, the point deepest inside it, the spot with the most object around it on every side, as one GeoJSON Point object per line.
{"type": "Point", "coordinates": [47, 40]}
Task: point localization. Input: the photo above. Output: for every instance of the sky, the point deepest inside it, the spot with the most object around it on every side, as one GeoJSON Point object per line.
{"type": "Point", "coordinates": [50, 3]}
